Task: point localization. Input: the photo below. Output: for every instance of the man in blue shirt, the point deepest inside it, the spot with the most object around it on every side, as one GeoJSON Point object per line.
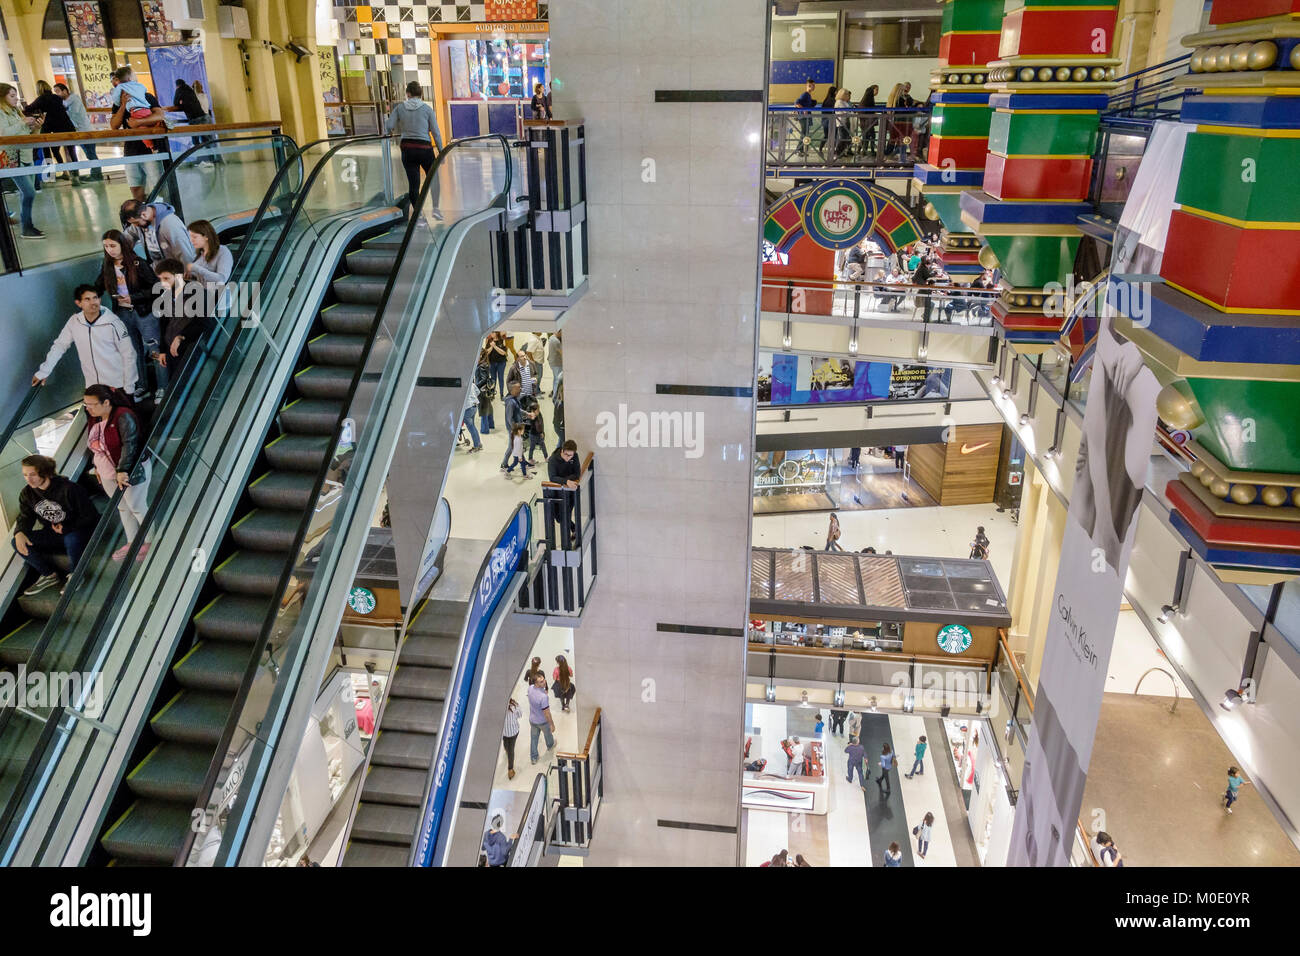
{"type": "Point", "coordinates": [514, 415]}
{"type": "Point", "coordinates": [857, 754]}
{"type": "Point", "coordinates": [805, 102]}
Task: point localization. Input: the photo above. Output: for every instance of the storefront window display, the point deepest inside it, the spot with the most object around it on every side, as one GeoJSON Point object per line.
{"type": "Point", "coordinates": [814, 473]}
{"type": "Point", "coordinates": [985, 789]}
{"type": "Point", "coordinates": [881, 636]}
{"type": "Point", "coordinates": [783, 759]}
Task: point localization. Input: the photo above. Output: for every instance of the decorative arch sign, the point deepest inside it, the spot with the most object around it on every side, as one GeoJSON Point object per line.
{"type": "Point", "coordinates": [840, 213]}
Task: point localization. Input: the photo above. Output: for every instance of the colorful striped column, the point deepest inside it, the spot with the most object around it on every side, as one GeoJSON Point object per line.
{"type": "Point", "coordinates": [1225, 326]}
{"type": "Point", "coordinates": [1049, 81]}
{"type": "Point", "coordinates": [959, 125]}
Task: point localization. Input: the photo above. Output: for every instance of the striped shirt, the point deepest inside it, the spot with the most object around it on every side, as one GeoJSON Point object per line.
{"type": "Point", "coordinates": [526, 379]}
{"type": "Point", "coordinates": [511, 728]}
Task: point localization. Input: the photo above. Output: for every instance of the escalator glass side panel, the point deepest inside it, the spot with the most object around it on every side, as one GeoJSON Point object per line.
{"type": "Point", "coordinates": [190, 466]}
{"type": "Point", "coordinates": [404, 274]}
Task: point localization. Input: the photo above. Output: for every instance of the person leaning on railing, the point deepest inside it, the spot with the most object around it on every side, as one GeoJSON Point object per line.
{"type": "Point", "coordinates": [81, 120]}
{"type": "Point", "coordinates": [13, 123]}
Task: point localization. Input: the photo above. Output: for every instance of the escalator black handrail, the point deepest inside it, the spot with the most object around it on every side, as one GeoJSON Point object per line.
{"type": "Point", "coordinates": [169, 172]}
{"type": "Point", "coordinates": [56, 715]}
{"type": "Point", "coordinates": [16, 421]}
{"type": "Point", "coordinates": [300, 535]}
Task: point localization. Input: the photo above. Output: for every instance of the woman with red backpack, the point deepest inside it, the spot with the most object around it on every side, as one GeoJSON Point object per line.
{"type": "Point", "coordinates": [117, 444]}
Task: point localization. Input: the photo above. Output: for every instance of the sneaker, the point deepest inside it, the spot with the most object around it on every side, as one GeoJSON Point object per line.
{"type": "Point", "coordinates": [43, 582]}
{"type": "Point", "coordinates": [1229, 809]}
{"type": "Point", "coordinates": [33, 233]}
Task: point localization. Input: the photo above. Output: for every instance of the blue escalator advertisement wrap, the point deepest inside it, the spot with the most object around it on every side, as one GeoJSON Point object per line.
{"type": "Point", "coordinates": [494, 580]}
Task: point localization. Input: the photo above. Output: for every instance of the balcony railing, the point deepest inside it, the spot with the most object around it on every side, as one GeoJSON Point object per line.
{"type": "Point", "coordinates": [562, 567]}
{"type": "Point", "coordinates": [873, 136]}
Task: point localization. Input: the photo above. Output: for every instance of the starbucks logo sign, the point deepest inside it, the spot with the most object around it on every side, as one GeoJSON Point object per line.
{"type": "Point", "coordinates": [954, 639]}
{"type": "Point", "coordinates": [361, 600]}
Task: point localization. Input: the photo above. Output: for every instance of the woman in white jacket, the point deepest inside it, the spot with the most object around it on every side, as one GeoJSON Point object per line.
{"type": "Point", "coordinates": [103, 345]}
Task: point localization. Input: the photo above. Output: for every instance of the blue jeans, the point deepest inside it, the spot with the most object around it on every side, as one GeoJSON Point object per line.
{"type": "Point", "coordinates": [533, 731]}
{"type": "Point", "coordinates": [523, 467]}
{"type": "Point", "coordinates": [47, 541]}
{"type": "Point", "coordinates": [917, 767]}
{"type": "Point", "coordinates": [499, 373]}
{"type": "Point", "coordinates": [26, 196]}
{"type": "Point", "coordinates": [145, 333]}
{"type": "Point", "coordinates": [857, 765]}
{"type": "Point", "coordinates": [922, 846]}
{"type": "Point", "coordinates": [1231, 797]}
{"type": "Point", "coordinates": [468, 421]}
{"type": "Point", "coordinates": [486, 422]}
{"type": "Point", "coordinates": [534, 441]}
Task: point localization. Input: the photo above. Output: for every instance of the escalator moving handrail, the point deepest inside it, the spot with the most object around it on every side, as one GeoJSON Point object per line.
{"type": "Point", "coordinates": [300, 535]}
{"type": "Point", "coordinates": [169, 174]}
{"type": "Point", "coordinates": [56, 714]}
{"type": "Point", "coordinates": [17, 420]}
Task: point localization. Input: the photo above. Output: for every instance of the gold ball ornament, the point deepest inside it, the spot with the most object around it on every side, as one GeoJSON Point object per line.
{"type": "Point", "coordinates": [1198, 468]}
{"type": "Point", "coordinates": [1096, 74]}
{"type": "Point", "coordinates": [1295, 57]}
{"type": "Point", "coordinates": [1026, 75]}
{"type": "Point", "coordinates": [1079, 74]}
{"type": "Point", "coordinates": [1180, 411]}
{"type": "Point", "coordinates": [1274, 496]}
{"type": "Point", "coordinates": [1224, 59]}
{"type": "Point", "coordinates": [1045, 74]}
{"type": "Point", "coordinates": [930, 211]}
{"type": "Point", "coordinates": [1243, 494]}
{"type": "Point", "coordinates": [988, 258]}
{"type": "Point", "coordinates": [1062, 73]}
{"type": "Point", "coordinates": [1240, 57]}
{"type": "Point", "coordinates": [1219, 488]}
{"type": "Point", "coordinates": [1262, 55]}
{"type": "Point", "coordinates": [1197, 62]}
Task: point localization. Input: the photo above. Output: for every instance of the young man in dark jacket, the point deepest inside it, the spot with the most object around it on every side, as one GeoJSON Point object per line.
{"type": "Point", "coordinates": [563, 468]}
{"type": "Point", "coordinates": [65, 512]}
{"type": "Point", "coordinates": [514, 414]}
{"type": "Point", "coordinates": [184, 309]}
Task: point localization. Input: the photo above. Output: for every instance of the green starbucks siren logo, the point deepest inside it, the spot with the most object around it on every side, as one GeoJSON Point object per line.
{"type": "Point", "coordinates": [954, 639]}
{"type": "Point", "coordinates": [361, 600]}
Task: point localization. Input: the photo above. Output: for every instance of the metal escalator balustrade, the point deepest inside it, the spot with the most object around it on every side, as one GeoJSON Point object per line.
{"type": "Point", "coordinates": [191, 462]}
{"type": "Point", "coordinates": [476, 174]}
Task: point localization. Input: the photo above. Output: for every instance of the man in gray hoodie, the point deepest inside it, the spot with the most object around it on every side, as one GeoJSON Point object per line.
{"type": "Point", "coordinates": [159, 228]}
{"type": "Point", "coordinates": [414, 121]}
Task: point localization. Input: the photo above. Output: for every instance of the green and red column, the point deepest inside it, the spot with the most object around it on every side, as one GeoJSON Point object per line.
{"type": "Point", "coordinates": [1224, 327]}
{"type": "Point", "coordinates": [1049, 86]}
{"type": "Point", "coordinates": [959, 125]}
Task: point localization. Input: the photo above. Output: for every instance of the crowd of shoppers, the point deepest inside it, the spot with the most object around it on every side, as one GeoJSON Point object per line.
{"type": "Point", "coordinates": [852, 131]}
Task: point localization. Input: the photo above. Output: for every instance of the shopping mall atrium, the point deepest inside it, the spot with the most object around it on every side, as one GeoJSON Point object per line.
{"type": "Point", "coordinates": [736, 433]}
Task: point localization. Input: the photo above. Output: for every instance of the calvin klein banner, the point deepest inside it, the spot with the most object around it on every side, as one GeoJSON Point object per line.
{"type": "Point", "coordinates": [1118, 426]}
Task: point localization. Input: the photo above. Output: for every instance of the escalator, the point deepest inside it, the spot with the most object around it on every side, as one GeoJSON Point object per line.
{"type": "Point", "coordinates": [406, 738]}
{"type": "Point", "coordinates": [257, 554]}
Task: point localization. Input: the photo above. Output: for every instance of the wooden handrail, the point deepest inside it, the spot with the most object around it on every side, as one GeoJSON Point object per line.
{"type": "Point", "coordinates": [1087, 843]}
{"type": "Point", "coordinates": [98, 135]}
{"type": "Point", "coordinates": [1015, 668]}
{"type": "Point", "coordinates": [591, 735]}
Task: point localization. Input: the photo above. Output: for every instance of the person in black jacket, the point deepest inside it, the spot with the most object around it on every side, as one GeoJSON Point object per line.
{"type": "Point", "coordinates": [54, 112]}
{"type": "Point", "coordinates": [116, 443]}
{"type": "Point", "coordinates": [564, 469]}
{"type": "Point", "coordinates": [130, 282]}
{"type": "Point", "coordinates": [923, 276]}
{"type": "Point", "coordinates": [65, 513]}
{"type": "Point", "coordinates": [184, 307]}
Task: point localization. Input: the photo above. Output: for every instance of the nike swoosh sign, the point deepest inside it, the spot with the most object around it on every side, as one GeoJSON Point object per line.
{"type": "Point", "coordinates": [967, 449]}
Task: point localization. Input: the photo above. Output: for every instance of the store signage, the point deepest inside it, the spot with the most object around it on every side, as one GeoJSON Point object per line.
{"type": "Point", "coordinates": [954, 639]}
{"type": "Point", "coordinates": [1015, 478]}
{"type": "Point", "coordinates": [494, 579]}
{"type": "Point", "coordinates": [838, 214]}
{"type": "Point", "coordinates": [361, 600]}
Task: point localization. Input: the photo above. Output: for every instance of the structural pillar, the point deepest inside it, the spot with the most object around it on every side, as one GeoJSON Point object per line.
{"type": "Point", "coordinates": [1224, 327]}
{"type": "Point", "coordinates": [1049, 83]}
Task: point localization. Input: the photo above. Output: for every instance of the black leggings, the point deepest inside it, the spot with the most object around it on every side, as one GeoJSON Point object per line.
{"type": "Point", "coordinates": [510, 751]}
{"type": "Point", "coordinates": [415, 157]}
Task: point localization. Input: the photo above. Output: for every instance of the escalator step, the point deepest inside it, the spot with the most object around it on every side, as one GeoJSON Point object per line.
{"type": "Point", "coordinates": [193, 717]}
{"type": "Point", "coordinates": [172, 772]}
{"type": "Point", "coordinates": [16, 646]}
{"type": "Point", "coordinates": [330, 348]}
{"type": "Point", "coordinates": [213, 666]}
{"type": "Point", "coordinates": [283, 491]}
{"type": "Point", "coordinates": [324, 381]}
{"type": "Point", "coordinates": [357, 289]}
{"type": "Point", "coordinates": [298, 452]}
{"type": "Point", "coordinates": [423, 683]}
{"type": "Point", "coordinates": [380, 823]}
{"type": "Point", "coordinates": [430, 650]}
{"type": "Point", "coordinates": [348, 319]}
{"type": "Point", "coordinates": [396, 749]}
{"type": "Point", "coordinates": [311, 416]}
{"type": "Point", "coordinates": [41, 605]}
{"type": "Point", "coordinates": [372, 261]}
{"type": "Point", "coordinates": [360, 853]}
{"type": "Point", "coordinates": [149, 832]}
{"type": "Point", "coordinates": [265, 530]}
{"type": "Point", "coordinates": [414, 716]}
{"type": "Point", "coordinates": [403, 788]}
{"type": "Point", "coordinates": [233, 617]}
{"type": "Point", "coordinates": [251, 572]}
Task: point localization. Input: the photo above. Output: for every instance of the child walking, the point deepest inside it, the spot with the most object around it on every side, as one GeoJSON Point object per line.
{"type": "Point", "coordinates": [517, 450]}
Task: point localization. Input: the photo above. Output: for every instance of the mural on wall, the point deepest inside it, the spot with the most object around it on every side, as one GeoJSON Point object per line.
{"type": "Point", "coordinates": [789, 379]}
{"type": "Point", "coordinates": [839, 213]}
{"type": "Point", "coordinates": [331, 92]}
{"type": "Point", "coordinates": [167, 64]}
{"type": "Point", "coordinates": [90, 46]}
{"type": "Point", "coordinates": [158, 30]}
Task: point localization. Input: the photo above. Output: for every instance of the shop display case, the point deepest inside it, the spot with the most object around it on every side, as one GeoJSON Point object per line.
{"type": "Point", "coordinates": [491, 82]}
{"type": "Point", "coordinates": [800, 472]}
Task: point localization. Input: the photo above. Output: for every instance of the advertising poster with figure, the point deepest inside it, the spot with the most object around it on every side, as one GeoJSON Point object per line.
{"type": "Point", "coordinates": [331, 93]}
{"type": "Point", "coordinates": [1114, 457]}
{"type": "Point", "coordinates": [820, 379]}
{"type": "Point", "coordinates": [158, 30]}
{"type": "Point", "coordinates": [90, 50]}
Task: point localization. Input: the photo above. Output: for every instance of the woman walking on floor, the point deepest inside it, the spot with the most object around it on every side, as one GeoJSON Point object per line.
{"type": "Point", "coordinates": [922, 833]}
